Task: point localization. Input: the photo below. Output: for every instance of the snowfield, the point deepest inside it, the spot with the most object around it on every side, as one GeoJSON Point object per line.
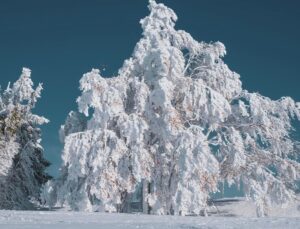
{"type": "Point", "coordinates": [234, 213]}
{"type": "Point", "coordinates": [66, 220]}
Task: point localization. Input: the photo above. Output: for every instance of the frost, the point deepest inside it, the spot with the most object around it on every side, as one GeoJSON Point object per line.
{"type": "Point", "coordinates": [22, 165]}
{"type": "Point", "coordinates": [176, 117]}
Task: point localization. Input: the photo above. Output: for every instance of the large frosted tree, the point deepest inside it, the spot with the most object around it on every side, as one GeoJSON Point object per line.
{"type": "Point", "coordinates": [177, 117]}
{"type": "Point", "coordinates": [22, 164]}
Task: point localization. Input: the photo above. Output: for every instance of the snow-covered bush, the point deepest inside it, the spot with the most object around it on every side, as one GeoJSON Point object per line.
{"type": "Point", "coordinates": [177, 117]}
{"type": "Point", "coordinates": [22, 165]}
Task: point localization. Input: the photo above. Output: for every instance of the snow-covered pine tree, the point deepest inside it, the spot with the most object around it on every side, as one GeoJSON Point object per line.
{"type": "Point", "coordinates": [177, 117]}
{"type": "Point", "coordinates": [22, 164]}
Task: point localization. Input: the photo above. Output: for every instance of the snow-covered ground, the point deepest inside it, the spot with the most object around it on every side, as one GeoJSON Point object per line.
{"type": "Point", "coordinates": [239, 207]}
{"type": "Point", "coordinates": [230, 214]}
{"type": "Point", "coordinates": [74, 220]}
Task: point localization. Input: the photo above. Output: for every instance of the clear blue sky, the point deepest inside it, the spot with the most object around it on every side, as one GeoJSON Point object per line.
{"type": "Point", "coordinates": [62, 39]}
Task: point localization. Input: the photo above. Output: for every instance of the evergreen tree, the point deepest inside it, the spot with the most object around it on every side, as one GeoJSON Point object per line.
{"type": "Point", "coordinates": [22, 164]}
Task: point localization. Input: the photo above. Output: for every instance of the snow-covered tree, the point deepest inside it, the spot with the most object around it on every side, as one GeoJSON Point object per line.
{"type": "Point", "coordinates": [22, 165]}
{"type": "Point", "coordinates": [177, 117]}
